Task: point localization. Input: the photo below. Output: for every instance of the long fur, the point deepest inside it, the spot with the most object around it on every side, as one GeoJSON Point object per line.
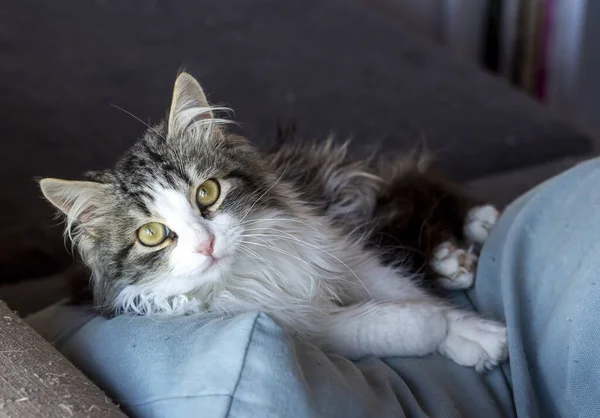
{"type": "Point", "coordinates": [316, 239]}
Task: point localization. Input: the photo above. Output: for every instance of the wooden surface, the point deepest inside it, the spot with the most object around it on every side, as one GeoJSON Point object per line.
{"type": "Point", "coordinates": [37, 381]}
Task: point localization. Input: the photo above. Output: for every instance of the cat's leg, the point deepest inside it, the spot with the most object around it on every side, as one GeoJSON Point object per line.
{"type": "Point", "coordinates": [416, 328]}
{"type": "Point", "coordinates": [385, 329]}
{"type": "Point", "coordinates": [401, 319]}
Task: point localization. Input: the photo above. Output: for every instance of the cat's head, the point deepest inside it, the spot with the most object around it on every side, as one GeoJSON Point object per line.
{"type": "Point", "coordinates": [169, 218]}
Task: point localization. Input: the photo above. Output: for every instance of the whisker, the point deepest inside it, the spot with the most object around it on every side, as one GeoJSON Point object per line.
{"type": "Point", "coordinates": [333, 276]}
{"type": "Point", "coordinates": [292, 238]}
{"type": "Point", "coordinates": [262, 195]}
{"type": "Point", "coordinates": [266, 245]}
{"type": "Point", "coordinates": [138, 119]}
{"type": "Point", "coordinates": [282, 219]}
{"type": "Point", "coordinates": [255, 254]}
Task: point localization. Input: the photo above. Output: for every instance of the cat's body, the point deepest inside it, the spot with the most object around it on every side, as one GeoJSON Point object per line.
{"type": "Point", "coordinates": [401, 208]}
{"type": "Point", "coordinates": [193, 218]}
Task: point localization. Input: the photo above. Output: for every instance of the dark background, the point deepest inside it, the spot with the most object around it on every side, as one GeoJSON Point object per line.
{"type": "Point", "coordinates": [342, 66]}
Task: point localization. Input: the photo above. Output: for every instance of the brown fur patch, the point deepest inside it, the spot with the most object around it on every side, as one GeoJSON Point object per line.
{"type": "Point", "coordinates": [417, 211]}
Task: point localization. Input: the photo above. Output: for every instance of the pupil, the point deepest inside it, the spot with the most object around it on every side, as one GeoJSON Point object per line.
{"type": "Point", "coordinates": [203, 192]}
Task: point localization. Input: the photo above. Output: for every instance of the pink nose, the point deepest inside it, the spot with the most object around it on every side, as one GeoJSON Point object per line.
{"type": "Point", "coordinates": [206, 247]}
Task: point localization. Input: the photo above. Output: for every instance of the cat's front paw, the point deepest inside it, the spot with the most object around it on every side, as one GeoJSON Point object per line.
{"type": "Point", "coordinates": [479, 222]}
{"type": "Point", "coordinates": [474, 342]}
{"type": "Point", "coordinates": [455, 266]}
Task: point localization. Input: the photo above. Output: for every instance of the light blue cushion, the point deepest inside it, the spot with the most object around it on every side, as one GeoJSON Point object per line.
{"type": "Point", "coordinates": [246, 366]}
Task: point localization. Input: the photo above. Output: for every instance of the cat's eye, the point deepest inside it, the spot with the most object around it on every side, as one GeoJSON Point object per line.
{"type": "Point", "coordinates": [152, 234]}
{"type": "Point", "coordinates": [208, 193]}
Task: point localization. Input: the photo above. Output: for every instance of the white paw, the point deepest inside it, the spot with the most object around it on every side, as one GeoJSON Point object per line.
{"type": "Point", "coordinates": [455, 266]}
{"type": "Point", "coordinates": [479, 222]}
{"type": "Point", "coordinates": [473, 341]}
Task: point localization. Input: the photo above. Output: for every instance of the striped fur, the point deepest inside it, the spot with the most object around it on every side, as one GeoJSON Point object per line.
{"type": "Point", "coordinates": [329, 246]}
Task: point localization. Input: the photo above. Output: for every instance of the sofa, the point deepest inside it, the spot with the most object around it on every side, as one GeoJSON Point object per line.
{"type": "Point", "coordinates": [77, 70]}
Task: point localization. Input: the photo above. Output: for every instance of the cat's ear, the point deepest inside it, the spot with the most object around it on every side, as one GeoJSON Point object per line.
{"type": "Point", "coordinates": [188, 103]}
{"type": "Point", "coordinates": [78, 200]}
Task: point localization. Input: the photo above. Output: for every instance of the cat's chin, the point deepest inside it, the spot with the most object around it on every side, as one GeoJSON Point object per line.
{"type": "Point", "coordinates": [170, 295]}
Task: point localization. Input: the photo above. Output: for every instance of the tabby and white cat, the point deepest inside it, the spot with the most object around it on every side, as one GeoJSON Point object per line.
{"type": "Point", "coordinates": [194, 218]}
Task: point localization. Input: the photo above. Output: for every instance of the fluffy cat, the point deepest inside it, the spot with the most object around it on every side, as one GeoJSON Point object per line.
{"type": "Point", "coordinates": [194, 218]}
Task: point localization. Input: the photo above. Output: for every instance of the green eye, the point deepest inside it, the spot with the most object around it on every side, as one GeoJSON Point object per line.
{"type": "Point", "coordinates": [208, 193]}
{"type": "Point", "coordinates": [152, 234]}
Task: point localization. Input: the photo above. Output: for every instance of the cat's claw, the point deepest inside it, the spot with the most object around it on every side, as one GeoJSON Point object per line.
{"type": "Point", "coordinates": [479, 222]}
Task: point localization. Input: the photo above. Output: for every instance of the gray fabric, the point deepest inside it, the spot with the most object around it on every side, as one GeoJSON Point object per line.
{"type": "Point", "coordinates": [501, 189]}
{"type": "Point", "coordinates": [346, 66]}
{"type": "Point", "coordinates": [37, 381]}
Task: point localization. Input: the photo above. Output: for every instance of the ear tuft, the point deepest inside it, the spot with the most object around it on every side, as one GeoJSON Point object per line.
{"type": "Point", "coordinates": [188, 103]}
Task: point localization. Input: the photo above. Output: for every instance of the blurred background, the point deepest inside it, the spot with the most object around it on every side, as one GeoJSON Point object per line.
{"type": "Point", "coordinates": [503, 92]}
{"type": "Point", "coordinates": [546, 47]}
